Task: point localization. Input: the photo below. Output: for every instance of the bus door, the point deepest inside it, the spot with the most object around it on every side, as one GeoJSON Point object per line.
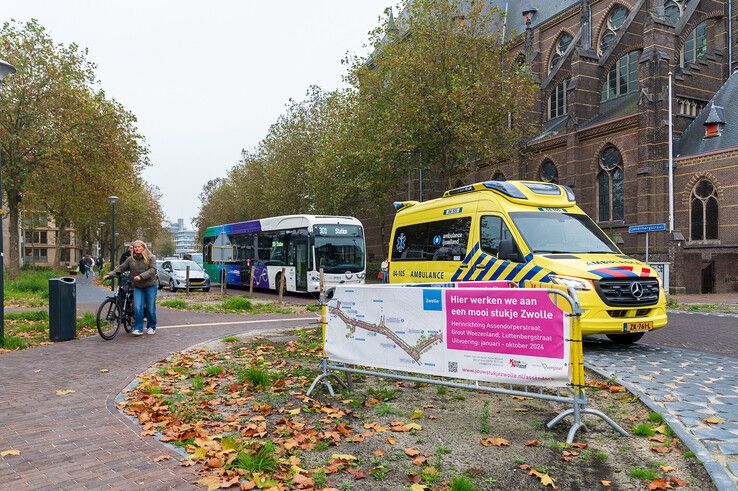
{"type": "Point", "coordinates": [301, 262]}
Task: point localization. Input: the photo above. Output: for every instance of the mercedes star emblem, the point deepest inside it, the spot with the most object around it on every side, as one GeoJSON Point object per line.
{"type": "Point", "coordinates": [637, 290]}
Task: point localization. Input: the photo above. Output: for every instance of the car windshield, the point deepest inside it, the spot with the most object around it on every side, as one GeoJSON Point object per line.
{"type": "Point", "coordinates": [182, 266]}
{"type": "Point", "coordinates": [339, 254]}
{"type": "Point", "coordinates": [555, 232]}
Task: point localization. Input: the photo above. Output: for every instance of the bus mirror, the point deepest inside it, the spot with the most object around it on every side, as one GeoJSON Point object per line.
{"type": "Point", "coordinates": [507, 251]}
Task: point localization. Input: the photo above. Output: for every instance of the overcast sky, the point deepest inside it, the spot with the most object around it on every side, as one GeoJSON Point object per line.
{"type": "Point", "coordinates": [206, 78]}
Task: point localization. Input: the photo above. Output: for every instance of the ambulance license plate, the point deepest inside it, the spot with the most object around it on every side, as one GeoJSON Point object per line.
{"type": "Point", "coordinates": [637, 326]}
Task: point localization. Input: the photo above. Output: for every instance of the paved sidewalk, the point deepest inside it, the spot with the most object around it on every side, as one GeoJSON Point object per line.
{"type": "Point", "coordinates": [685, 387]}
{"type": "Point", "coordinates": [707, 298]}
{"type": "Point", "coordinates": [81, 440]}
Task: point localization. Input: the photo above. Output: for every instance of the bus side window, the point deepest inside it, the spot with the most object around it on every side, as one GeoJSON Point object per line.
{"type": "Point", "coordinates": [492, 231]}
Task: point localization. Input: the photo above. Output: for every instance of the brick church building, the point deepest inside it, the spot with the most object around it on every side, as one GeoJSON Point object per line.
{"type": "Point", "coordinates": [603, 67]}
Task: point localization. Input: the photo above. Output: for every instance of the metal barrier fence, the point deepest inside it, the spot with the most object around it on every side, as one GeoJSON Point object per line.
{"type": "Point", "coordinates": [577, 397]}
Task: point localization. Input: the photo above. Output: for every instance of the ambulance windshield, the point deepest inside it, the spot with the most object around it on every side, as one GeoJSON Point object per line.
{"type": "Point", "coordinates": [557, 232]}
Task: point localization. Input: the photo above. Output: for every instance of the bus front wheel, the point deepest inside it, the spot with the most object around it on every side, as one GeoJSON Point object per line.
{"type": "Point", "coordinates": [628, 338]}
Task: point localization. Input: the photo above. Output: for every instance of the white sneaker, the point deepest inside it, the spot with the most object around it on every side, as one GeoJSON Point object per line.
{"type": "Point", "coordinates": [136, 332]}
{"type": "Point", "coordinates": [150, 331]}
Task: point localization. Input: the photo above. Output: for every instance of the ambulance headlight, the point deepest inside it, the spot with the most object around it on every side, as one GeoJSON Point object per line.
{"type": "Point", "coordinates": [572, 282]}
{"type": "Point", "coordinates": [661, 283]}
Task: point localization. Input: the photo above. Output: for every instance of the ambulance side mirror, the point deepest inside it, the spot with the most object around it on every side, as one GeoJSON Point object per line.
{"type": "Point", "coordinates": [507, 251]}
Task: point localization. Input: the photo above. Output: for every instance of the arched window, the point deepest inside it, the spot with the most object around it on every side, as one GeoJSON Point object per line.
{"type": "Point", "coordinates": [548, 172]}
{"type": "Point", "coordinates": [559, 49]}
{"type": "Point", "coordinates": [498, 176]}
{"type": "Point", "coordinates": [674, 9]}
{"type": "Point", "coordinates": [695, 46]}
{"type": "Point", "coordinates": [610, 185]}
{"type": "Point", "coordinates": [704, 212]}
{"type": "Point", "coordinates": [557, 101]}
{"type": "Point", "coordinates": [622, 77]}
{"type": "Point", "coordinates": [614, 22]}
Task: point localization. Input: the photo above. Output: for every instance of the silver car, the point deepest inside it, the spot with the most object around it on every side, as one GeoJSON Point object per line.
{"type": "Point", "coordinates": [173, 273]}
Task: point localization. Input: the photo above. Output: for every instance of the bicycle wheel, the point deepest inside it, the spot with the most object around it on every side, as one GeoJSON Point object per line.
{"type": "Point", "coordinates": [127, 318]}
{"type": "Point", "coordinates": [108, 319]}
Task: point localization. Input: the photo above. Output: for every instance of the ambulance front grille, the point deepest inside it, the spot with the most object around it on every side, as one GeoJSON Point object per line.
{"type": "Point", "coordinates": [621, 292]}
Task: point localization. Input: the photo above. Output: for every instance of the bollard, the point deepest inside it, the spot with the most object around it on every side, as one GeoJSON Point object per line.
{"type": "Point", "coordinates": [187, 281]}
{"type": "Point", "coordinates": [321, 288]}
{"type": "Point", "coordinates": [281, 287]}
{"type": "Point", "coordinates": [251, 282]}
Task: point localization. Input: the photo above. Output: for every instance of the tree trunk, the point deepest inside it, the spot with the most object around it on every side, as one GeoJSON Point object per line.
{"type": "Point", "coordinates": [61, 225]}
{"type": "Point", "coordinates": [13, 262]}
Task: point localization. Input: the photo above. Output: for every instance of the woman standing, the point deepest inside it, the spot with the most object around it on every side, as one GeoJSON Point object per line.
{"type": "Point", "coordinates": [142, 265]}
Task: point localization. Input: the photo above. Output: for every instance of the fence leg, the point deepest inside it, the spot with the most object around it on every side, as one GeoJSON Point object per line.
{"type": "Point", "coordinates": [325, 379]}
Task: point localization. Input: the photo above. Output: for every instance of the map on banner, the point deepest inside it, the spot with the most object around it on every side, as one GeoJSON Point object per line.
{"type": "Point", "coordinates": [486, 334]}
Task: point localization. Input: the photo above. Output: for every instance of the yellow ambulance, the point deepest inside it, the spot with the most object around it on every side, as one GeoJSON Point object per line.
{"type": "Point", "coordinates": [526, 231]}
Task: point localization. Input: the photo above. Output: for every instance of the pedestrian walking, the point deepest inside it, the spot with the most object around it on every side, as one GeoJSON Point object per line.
{"type": "Point", "coordinates": [82, 265]}
{"type": "Point", "coordinates": [88, 264]}
{"type": "Point", "coordinates": [99, 262]}
{"type": "Point", "coordinates": [142, 265]}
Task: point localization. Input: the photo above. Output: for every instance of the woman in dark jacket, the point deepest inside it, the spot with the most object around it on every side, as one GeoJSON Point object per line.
{"type": "Point", "coordinates": [142, 265]}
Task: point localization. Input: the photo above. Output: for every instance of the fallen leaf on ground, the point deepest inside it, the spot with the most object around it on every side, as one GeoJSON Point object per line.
{"type": "Point", "coordinates": [303, 482]}
{"type": "Point", "coordinates": [247, 485]}
{"type": "Point", "coordinates": [522, 398]}
{"type": "Point", "coordinates": [545, 479]}
{"type": "Point", "coordinates": [663, 429]}
{"type": "Point", "coordinates": [657, 438]}
{"type": "Point", "coordinates": [211, 482]}
{"type": "Point", "coordinates": [5, 453]}
{"type": "Point", "coordinates": [666, 468]}
{"type": "Point", "coordinates": [714, 420]}
{"type": "Point", "coordinates": [659, 485]}
{"type": "Point", "coordinates": [525, 467]}
{"type": "Point", "coordinates": [161, 458]}
{"type": "Point", "coordinates": [417, 414]}
{"type": "Point", "coordinates": [37, 370]}
{"type": "Point", "coordinates": [342, 456]}
{"type": "Point", "coordinates": [378, 453]}
{"type": "Point", "coordinates": [579, 445]}
{"type": "Point", "coordinates": [391, 441]}
{"type": "Point", "coordinates": [411, 452]}
{"type": "Point", "coordinates": [661, 449]}
{"type": "Point", "coordinates": [496, 441]}
{"type": "Point", "coordinates": [64, 392]}
{"type": "Point", "coordinates": [531, 443]}
{"type": "Point", "coordinates": [607, 484]}
{"type": "Point", "coordinates": [104, 370]}
{"type": "Point", "coordinates": [417, 487]}
{"type": "Point", "coordinates": [420, 460]}
{"type": "Point", "coordinates": [677, 482]}
{"type": "Point", "coordinates": [357, 473]}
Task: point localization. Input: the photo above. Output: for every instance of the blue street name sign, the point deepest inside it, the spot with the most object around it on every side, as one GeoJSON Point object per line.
{"type": "Point", "coordinates": [651, 227]}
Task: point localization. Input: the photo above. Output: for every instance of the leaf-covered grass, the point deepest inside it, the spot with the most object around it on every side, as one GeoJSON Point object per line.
{"type": "Point", "coordinates": [242, 415]}
{"type": "Point", "coordinates": [31, 328]}
{"type": "Point", "coordinates": [643, 474]}
{"type": "Point", "coordinates": [235, 304]}
{"type": "Point", "coordinates": [31, 288]}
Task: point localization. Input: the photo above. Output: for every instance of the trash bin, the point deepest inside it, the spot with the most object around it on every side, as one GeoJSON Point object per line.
{"type": "Point", "coordinates": [62, 308]}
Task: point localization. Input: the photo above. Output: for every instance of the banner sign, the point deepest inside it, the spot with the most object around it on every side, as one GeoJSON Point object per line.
{"type": "Point", "coordinates": [501, 335]}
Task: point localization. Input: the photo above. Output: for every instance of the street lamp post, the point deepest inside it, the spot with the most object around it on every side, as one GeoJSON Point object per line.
{"type": "Point", "coordinates": [112, 199]}
{"type": "Point", "coordinates": [5, 69]}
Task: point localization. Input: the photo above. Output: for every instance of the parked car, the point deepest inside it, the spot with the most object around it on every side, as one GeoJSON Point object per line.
{"type": "Point", "coordinates": [173, 273]}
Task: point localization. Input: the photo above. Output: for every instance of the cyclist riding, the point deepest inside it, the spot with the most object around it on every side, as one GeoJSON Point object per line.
{"type": "Point", "coordinates": [142, 265]}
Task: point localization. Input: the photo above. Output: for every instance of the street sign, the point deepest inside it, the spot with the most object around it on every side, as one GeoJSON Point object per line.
{"type": "Point", "coordinates": [651, 227]}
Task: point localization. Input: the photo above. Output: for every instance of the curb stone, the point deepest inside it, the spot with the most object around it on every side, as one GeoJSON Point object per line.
{"type": "Point", "coordinates": [717, 472]}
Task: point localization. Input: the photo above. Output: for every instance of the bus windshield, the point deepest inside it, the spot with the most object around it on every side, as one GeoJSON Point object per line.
{"type": "Point", "coordinates": [553, 232]}
{"type": "Point", "coordinates": [339, 249]}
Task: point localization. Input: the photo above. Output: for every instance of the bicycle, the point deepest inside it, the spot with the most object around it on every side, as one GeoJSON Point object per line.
{"type": "Point", "coordinates": [117, 309]}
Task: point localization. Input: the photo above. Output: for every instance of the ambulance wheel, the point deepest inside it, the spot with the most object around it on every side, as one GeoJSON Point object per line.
{"type": "Point", "coordinates": [629, 338]}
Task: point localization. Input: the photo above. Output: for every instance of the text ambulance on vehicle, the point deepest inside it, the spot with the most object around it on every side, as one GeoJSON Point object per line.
{"type": "Point", "coordinates": [520, 231]}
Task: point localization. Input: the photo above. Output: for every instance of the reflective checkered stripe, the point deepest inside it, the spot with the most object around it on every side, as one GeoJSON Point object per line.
{"type": "Point", "coordinates": [623, 272]}
{"type": "Point", "coordinates": [496, 269]}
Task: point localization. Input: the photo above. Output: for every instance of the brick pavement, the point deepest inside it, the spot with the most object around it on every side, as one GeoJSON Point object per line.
{"type": "Point", "coordinates": [81, 440]}
{"type": "Point", "coordinates": [686, 387]}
